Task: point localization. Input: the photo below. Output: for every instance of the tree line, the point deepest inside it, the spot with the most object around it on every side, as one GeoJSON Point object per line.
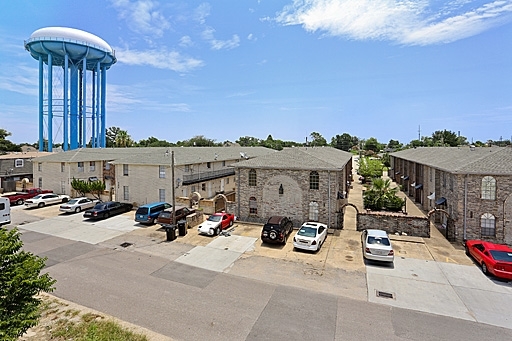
{"type": "Point", "coordinates": [117, 137]}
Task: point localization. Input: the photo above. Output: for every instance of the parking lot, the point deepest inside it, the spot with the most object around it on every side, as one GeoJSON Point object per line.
{"type": "Point", "coordinates": [430, 275]}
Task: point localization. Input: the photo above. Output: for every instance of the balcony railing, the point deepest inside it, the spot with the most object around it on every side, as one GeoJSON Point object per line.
{"type": "Point", "coordinates": [204, 176]}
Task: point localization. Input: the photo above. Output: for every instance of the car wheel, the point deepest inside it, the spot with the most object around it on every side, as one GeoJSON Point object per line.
{"type": "Point", "coordinates": [19, 202]}
{"type": "Point", "coordinates": [153, 221]}
{"type": "Point", "coordinates": [78, 209]}
{"type": "Point", "coordinates": [41, 204]}
{"type": "Point", "coordinates": [218, 231]}
{"type": "Point", "coordinates": [212, 232]}
{"type": "Point", "coordinates": [285, 239]}
{"type": "Point", "coordinates": [484, 269]}
{"type": "Point", "coordinates": [231, 223]}
{"type": "Point", "coordinates": [467, 250]}
{"type": "Point", "coordinates": [105, 215]}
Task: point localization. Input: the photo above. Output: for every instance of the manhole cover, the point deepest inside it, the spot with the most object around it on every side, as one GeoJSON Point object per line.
{"type": "Point", "coordinates": [126, 244]}
{"type": "Point", "coordinates": [384, 294]}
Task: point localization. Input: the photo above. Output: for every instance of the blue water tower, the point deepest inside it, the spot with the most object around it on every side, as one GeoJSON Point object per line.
{"type": "Point", "coordinates": [77, 108]}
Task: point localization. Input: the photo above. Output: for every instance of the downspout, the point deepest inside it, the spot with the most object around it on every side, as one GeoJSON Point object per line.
{"type": "Point", "coordinates": [329, 200]}
{"type": "Point", "coordinates": [465, 205]}
{"type": "Point", "coordinates": [238, 192]}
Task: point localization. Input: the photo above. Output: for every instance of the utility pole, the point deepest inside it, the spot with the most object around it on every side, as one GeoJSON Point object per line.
{"type": "Point", "coordinates": [419, 133]}
{"type": "Point", "coordinates": [172, 186]}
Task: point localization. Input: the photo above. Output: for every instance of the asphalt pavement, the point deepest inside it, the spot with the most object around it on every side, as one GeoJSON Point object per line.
{"type": "Point", "coordinates": [130, 271]}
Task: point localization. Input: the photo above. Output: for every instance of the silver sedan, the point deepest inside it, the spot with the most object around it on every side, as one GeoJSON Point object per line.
{"type": "Point", "coordinates": [78, 204]}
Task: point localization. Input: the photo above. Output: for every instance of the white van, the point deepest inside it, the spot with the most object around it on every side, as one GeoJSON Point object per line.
{"type": "Point", "coordinates": [5, 211]}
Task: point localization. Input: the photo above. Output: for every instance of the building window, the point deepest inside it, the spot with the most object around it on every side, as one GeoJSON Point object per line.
{"type": "Point", "coordinates": [193, 188]}
{"type": "Point", "coordinates": [62, 167]}
{"type": "Point", "coordinates": [40, 182]}
{"type": "Point", "coordinates": [444, 180]}
{"type": "Point", "coordinates": [80, 167]}
{"type": "Point", "coordinates": [125, 170]}
{"type": "Point", "coordinates": [126, 193]}
{"type": "Point", "coordinates": [107, 165]}
{"type": "Point", "coordinates": [208, 165]}
{"type": "Point", "coordinates": [281, 189]}
{"type": "Point", "coordinates": [223, 163]}
{"type": "Point", "coordinates": [63, 186]}
{"type": "Point", "coordinates": [488, 188]}
{"type": "Point", "coordinates": [92, 166]}
{"type": "Point", "coordinates": [488, 225]}
{"type": "Point", "coordinates": [253, 206]}
{"type": "Point", "coordinates": [161, 194]}
{"type": "Point", "coordinates": [203, 187]}
{"type": "Point", "coordinates": [161, 172]}
{"type": "Point", "coordinates": [313, 211]}
{"type": "Point", "coordinates": [314, 180]}
{"type": "Point", "coordinates": [451, 183]}
{"type": "Point", "coordinates": [187, 168]}
{"type": "Point", "coordinates": [18, 163]}
{"type": "Point", "coordinates": [227, 181]}
{"type": "Point", "coordinates": [39, 166]}
{"type": "Point", "coordinates": [252, 177]}
{"type": "Point", "coordinates": [430, 173]}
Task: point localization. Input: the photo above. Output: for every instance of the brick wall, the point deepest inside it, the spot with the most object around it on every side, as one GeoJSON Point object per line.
{"type": "Point", "coordinates": [393, 223]}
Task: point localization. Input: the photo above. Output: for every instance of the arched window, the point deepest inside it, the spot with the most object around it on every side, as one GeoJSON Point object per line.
{"type": "Point", "coordinates": [488, 188]}
{"type": "Point", "coordinates": [313, 211]}
{"type": "Point", "coordinates": [314, 180]}
{"type": "Point", "coordinates": [252, 177]}
{"type": "Point", "coordinates": [488, 225]}
{"type": "Point", "coordinates": [253, 206]}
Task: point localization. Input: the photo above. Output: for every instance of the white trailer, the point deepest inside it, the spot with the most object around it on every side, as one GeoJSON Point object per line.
{"type": "Point", "coordinates": [5, 211]}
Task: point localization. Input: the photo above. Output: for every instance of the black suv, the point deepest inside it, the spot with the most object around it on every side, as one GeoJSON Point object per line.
{"type": "Point", "coordinates": [276, 230]}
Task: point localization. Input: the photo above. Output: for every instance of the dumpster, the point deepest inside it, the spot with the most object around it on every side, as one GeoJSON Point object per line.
{"type": "Point", "coordinates": [170, 232]}
{"type": "Point", "coordinates": [182, 227]}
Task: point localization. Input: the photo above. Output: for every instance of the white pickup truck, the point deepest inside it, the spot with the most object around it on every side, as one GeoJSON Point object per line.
{"type": "Point", "coordinates": [42, 200]}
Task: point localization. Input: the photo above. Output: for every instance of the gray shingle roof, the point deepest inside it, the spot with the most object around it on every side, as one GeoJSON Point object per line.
{"type": "Point", "coordinates": [156, 155]}
{"type": "Point", "coordinates": [464, 160]}
{"type": "Point", "coordinates": [317, 158]}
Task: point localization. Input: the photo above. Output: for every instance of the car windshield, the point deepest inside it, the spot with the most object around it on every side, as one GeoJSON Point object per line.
{"type": "Point", "coordinates": [307, 231]}
{"type": "Point", "coordinates": [37, 197]}
{"type": "Point", "coordinates": [501, 256]}
{"type": "Point", "coordinates": [378, 240]}
{"type": "Point", "coordinates": [215, 218]}
{"type": "Point", "coordinates": [72, 201]}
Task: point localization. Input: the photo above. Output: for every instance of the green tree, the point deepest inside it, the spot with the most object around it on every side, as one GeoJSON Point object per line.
{"type": "Point", "coordinates": [111, 136]}
{"type": "Point", "coordinates": [447, 138]}
{"type": "Point", "coordinates": [394, 144]}
{"type": "Point", "coordinates": [6, 145]}
{"type": "Point", "coordinates": [382, 195]}
{"type": "Point", "coordinates": [83, 187]}
{"type": "Point", "coordinates": [317, 140]}
{"type": "Point", "coordinates": [248, 141]}
{"type": "Point", "coordinates": [80, 186]}
{"type": "Point", "coordinates": [20, 282]}
{"type": "Point", "coordinates": [123, 139]}
{"type": "Point", "coordinates": [96, 188]}
{"type": "Point", "coordinates": [344, 142]}
{"type": "Point", "coordinates": [369, 168]}
{"type": "Point", "coordinates": [153, 142]}
{"type": "Point", "coordinates": [373, 145]}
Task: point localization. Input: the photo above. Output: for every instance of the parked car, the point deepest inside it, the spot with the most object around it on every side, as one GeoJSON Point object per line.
{"type": "Point", "coordinates": [20, 197]}
{"type": "Point", "coordinates": [107, 209]}
{"type": "Point", "coordinates": [216, 223]}
{"type": "Point", "coordinates": [377, 246]}
{"type": "Point", "coordinates": [78, 204]}
{"type": "Point", "coordinates": [495, 259]}
{"type": "Point", "coordinates": [147, 214]}
{"type": "Point", "coordinates": [165, 217]}
{"type": "Point", "coordinates": [276, 230]}
{"type": "Point", "coordinates": [42, 200]}
{"type": "Point", "coordinates": [311, 236]}
{"type": "Point", "coordinates": [5, 211]}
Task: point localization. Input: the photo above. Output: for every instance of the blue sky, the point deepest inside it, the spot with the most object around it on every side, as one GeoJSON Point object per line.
{"type": "Point", "coordinates": [225, 69]}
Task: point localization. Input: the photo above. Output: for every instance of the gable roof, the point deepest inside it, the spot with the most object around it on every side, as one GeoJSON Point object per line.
{"type": "Point", "coordinates": [464, 160]}
{"type": "Point", "coordinates": [300, 158]}
{"type": "Point", "coordinates": [156, 155]}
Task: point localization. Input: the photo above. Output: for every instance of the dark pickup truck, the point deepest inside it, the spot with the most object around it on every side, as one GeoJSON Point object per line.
{"type": "Point", "coordinates": [20, 197]}
{"type": "Point", "coordinates": [165, 217]}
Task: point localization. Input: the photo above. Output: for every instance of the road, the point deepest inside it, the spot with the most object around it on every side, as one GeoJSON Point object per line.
{"type": "Point", "coordinates": [229, 288]}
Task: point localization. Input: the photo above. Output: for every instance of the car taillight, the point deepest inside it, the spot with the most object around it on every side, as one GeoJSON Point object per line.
{"type": "Point", "coordinates": [95, 214]}
{"type": "Point", "coordinates": [264, 234]}
{"type": "Point", "coordinates": [367, 250]}
{"type": "Point", "coordinates": [391, 253]}
{"type": "Point", "coordinates": [314, 242]}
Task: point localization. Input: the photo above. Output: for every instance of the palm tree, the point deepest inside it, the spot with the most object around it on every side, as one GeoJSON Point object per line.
{"type": "Point", "coordinates": [123, 139]}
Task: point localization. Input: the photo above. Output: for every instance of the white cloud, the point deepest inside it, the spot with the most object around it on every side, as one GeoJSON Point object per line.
{"type": "Point", "coordinates": [202, 12]}
{"type": "Point", "coordinates": [405, 22]}
{"type": "Point", "coordinates": [160, 59]}
{"type": "Point", "coordinates": [142, 16]}
{"type": "Point", "coordinates": [220, 44]}
{"type": "Point", "coordinates": [186, 41]}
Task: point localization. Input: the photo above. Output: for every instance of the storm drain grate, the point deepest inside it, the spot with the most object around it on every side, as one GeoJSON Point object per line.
{"type": "Point", "coordinates": [126, 244]}
{"type": "Point", "coordinates": [384, 294]}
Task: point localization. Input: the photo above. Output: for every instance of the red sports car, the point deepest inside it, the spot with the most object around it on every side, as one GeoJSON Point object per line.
{"type": "Point", "coordinates": [495, 259]}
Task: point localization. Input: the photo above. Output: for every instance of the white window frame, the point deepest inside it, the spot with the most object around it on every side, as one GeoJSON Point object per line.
{"type": "Point", "coordinates": [161, 173]}
{"type": "Point", "coordinates": [18, 163]}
